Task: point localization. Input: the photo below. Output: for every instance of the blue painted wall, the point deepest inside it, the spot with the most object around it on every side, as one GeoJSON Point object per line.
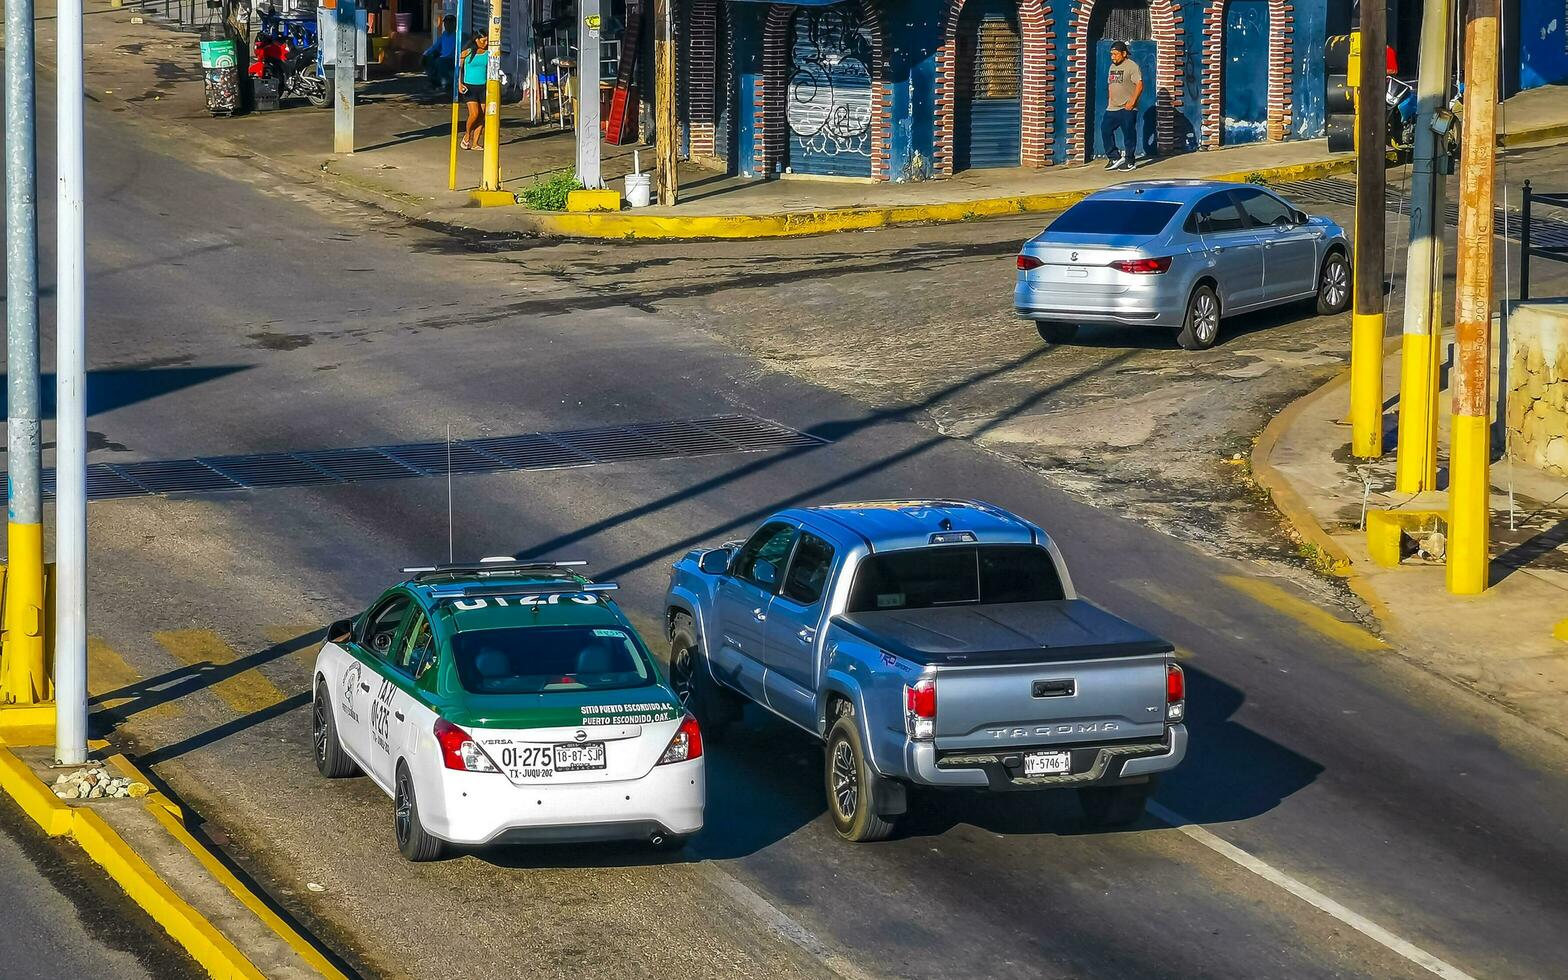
{"type": "Point", "coordinates": [1308, 34]}
{"type": "Point", "coordinates": [1543, 50]}
{"type": "Point", "coordinates": [1244, 93]}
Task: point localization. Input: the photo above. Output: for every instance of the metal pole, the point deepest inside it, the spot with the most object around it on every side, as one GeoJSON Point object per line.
{"type": "Point", "coordinates": [1366, 330]}
{"type": "Point", "coordinates": [1416, 465]}
{"type": "Point", "coordinates": [666, 125]}
{"type": "Point", "coordinates": [1469, 482]}
{"type": "Point", "coordinates": [588, 96]}
{"type": "Point", "coordinates": [457, 77]}
{"type": "Point", "coordinates": [25, 678]}
{"type": "Point", "coordinates": [1524, 243]}
{"type": "Point", "coordinates": [492, 166]}
{"type": "Point", "coordinates": [70, 495]}
{"type": "Point", "coordinates": [345, 62]}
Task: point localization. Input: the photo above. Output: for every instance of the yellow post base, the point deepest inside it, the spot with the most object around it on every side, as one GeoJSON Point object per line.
{"type": "Point", "coordinates": [1469, 504]}
{"type": "Point", "coordinates": [25, 678]}
{"type": "Point", "coordinates": [1415, 468]}
{"type": "Point", "coordinates": [492, 199]}
{"type": "Point", "coordinates": [27, 724]}
{"type": "Point", "coordinates": [605, 200]}
{"type": "Point", "coordinates": [1387, 530]}
{"type": "Point", "coordinates": [1366, 385]}
{"type": "Point", "coordinates": [1560, 631]}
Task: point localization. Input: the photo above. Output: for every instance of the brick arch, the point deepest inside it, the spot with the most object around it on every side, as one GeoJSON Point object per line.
{"type": "Point", "coordinates": [1166, 23]}
{"type": "Point", "coordinates": [769, 125]}
{"type": "Point", "coordinates": [1282, 62]}
{"type": "Point", "coordinates": [702, 66]}
{"type": "Point", "coordinates": [1039, 80]}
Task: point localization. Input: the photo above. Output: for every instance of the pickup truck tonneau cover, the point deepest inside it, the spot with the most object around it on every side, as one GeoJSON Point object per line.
{"type": "Point", "coordinates": [1003, 633]}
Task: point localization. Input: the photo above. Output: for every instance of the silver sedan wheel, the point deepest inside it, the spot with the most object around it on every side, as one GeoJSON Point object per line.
{"type": "Point", "coordinates": [1336, 282]}
{"type": "Point", "coordinates": [1205, 317]}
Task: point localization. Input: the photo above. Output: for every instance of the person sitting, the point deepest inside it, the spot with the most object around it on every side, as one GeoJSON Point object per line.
{"type": "Point", "coordinates": [441, 55]}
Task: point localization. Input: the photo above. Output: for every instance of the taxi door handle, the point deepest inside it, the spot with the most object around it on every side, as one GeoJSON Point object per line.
{"type": "Point", "coordinates": [365, 688]}
{"type": "Point", "coordinates": [398, 715]}
{"type": "Point", "coordinates": [759, 615]}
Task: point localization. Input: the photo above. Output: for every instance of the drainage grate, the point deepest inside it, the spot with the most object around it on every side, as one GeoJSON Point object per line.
{"type": "Point", "coordinates": [671, 439]}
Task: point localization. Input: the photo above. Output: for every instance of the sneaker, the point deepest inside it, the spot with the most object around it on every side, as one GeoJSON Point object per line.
{"type": "Point", "coordinates": [1127, 163]}
{"type": "Point", "coordinates": [1111, 163]}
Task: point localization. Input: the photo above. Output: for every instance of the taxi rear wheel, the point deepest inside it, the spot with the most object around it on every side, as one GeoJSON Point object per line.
{"type": "Point", "coordinates": [412, 840]}
{"type": "Point", "coordinates": [331, 760]}
{"type": "Point", "coordinates": [854, 789]}
{"type": "Point", "coordinates": [714, 708]}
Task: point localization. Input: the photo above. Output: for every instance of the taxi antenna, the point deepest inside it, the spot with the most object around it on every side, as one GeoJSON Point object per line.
{"type": "Point", "coordinates": [449, 535]}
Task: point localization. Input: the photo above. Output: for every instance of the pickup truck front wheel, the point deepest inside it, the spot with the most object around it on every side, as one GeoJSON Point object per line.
{"type": "Point", "coordinates": [714, 708]}
{"type": "Point", "coordinates": [855, 790]}
{"type": "Point", "coordinates": [1115, 806]}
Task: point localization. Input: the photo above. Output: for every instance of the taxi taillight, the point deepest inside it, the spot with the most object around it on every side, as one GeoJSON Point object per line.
{"type": "Point", "coordinates": [459, 750]}
{"type": "Point", "coordinates": [686, 744]}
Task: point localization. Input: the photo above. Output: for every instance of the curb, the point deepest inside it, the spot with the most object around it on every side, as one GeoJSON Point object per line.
{"type": "Point", "coordinates": [1290, 503]}
{"type": "Point", "coordinates": [185, 925]}
{"type": "Point", "coordinates": [796, 223]}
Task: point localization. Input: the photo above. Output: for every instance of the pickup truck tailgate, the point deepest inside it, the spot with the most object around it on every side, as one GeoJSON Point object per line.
{"type": "Point", "coordinates": [1048, 704]}
{"type": "Point", "coordinates": [1029, 673]}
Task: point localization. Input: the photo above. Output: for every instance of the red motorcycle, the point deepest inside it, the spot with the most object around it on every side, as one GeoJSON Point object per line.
{"type": "Point", "coordinates": [292, 64]}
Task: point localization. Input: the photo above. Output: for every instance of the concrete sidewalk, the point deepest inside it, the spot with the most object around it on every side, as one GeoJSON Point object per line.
{"type": "Point", "coordinates": [1499, 644]}
{"type": "Point", "coordinates": [402, 156]}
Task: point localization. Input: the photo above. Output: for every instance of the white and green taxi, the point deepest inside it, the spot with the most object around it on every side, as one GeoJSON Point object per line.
{"type": "Point", "coordinates": [506, 702]}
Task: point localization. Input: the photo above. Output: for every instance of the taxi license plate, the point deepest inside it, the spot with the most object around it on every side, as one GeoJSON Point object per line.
{"type": "Point", "coordinates": [1048, 763]}
{"type": "Point", "coordinates": [571, 756]}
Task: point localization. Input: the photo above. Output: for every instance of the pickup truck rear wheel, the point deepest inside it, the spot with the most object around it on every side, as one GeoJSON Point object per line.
{"type": "Point", "coordinates": [714, 708]}
{"type": "Point", "coordinates": [1115, 806]}
{"type": "Point", "coordinates": [855, 790]}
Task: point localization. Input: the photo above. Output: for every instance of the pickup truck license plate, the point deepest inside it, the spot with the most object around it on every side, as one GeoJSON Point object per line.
{"type": "Point", "coordinates": [1048, 763]}
{"type": "Point", "coordinates": [579, 755]}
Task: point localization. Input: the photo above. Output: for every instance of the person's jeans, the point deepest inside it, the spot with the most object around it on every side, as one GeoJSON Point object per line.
{"type": "Point", "coordinates": [439, 71]}
{"type": "Point", "coordinates": [1127, 121]}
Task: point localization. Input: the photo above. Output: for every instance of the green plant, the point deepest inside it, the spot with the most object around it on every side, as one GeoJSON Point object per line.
{"type": "Point", "coordinates": [549, 192]}
{"type": "Point", "coordinates": [1257, 177]}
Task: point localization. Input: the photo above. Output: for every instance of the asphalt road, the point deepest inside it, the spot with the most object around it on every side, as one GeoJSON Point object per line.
{"type": "Point", "coordinates": [62, 918]}
{"type": "Point", "coordinates": [232, 314]}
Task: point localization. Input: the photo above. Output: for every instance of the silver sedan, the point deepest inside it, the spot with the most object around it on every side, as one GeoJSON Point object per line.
{"type": "Point", "coordinates": [1179, 254]}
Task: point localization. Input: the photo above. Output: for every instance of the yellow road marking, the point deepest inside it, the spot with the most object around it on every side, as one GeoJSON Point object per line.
{"type": "Point", "coordinates": [108, 671]}
{"type": "Point", "coordinates": [1270, 595]}
{"type": "Point", "coordinates": [245, 692]}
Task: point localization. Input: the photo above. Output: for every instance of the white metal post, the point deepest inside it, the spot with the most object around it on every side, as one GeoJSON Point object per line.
{"type": "Point", "coordinates": [70, 635]}
{"type": "Point", "coordinates": [588, 95]}
{"type": "Point", "coordinates": [345, 65]}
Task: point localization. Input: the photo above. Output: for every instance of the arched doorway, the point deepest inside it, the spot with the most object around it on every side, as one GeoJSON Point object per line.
{"type": "Point", "coordinates": [1244, 102]}
{"type": "Point", "coordinates": [1037, 79]}
{"type": "Point", "coordinates": [711, 91]}
{"type": "Point", "coordinates": [829, 91]}
{"type": "Point", "coordinates": [1129, 21]}
{"type": "Point", "coordinates": [1161, 123]}
{"type": "Point", "coordinates": [988, 90]}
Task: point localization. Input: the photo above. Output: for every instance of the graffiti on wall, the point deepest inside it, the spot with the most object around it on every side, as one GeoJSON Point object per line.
{"type": "Point", "coordinates": [828, 106]}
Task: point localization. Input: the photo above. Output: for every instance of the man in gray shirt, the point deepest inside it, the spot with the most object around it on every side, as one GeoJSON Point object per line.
{"type": "Point", "coordinates": [1123, 88]}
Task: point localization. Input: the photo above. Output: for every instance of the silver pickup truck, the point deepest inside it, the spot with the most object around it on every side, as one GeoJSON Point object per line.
{"type": "Point", "coordinates": [930, 643]}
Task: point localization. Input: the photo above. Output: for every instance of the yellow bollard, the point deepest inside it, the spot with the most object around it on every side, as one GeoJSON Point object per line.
{"type": "Point", "coordinates": [25, 679]}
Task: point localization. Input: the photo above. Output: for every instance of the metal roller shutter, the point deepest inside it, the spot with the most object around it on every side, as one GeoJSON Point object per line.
{"type": "Point", "coordinates": [828, 98]}
{"type": "Point", "coordinates": [988, 102]}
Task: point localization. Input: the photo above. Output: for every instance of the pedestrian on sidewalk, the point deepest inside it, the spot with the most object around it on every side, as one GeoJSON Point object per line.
{"type": "Point", "coordinates": [475, 72]}
{"type": "Point", "coordinates": [442, 54]}
{"type": "Point", "coordinates": [1123, 88]}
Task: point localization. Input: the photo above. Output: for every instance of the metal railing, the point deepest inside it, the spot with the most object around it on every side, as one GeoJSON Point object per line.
{"type": "Point", "coordinates": [1557, 251]}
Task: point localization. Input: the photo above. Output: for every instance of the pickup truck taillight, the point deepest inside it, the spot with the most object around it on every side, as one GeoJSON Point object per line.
{"type": "Point", "coordinates": [1175, 693]}
{"type": "Point", "coordinates": [920, 709]}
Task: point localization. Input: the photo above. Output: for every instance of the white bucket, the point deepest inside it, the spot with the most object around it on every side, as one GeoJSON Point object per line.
{"type": "Point", "coordinates": [639, 189]}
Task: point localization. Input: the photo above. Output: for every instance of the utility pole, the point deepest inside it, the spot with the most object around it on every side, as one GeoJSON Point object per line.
{"type": "Point", "coordinates": [458, 33]}
{"type": "Point", "coordinates": [1469, 471]}
{"type": "Point", "coordinates": [25, 679]}
{"type": "Point", "coordinates": [345, 62]}
{"type": "Point", "coordinates": [70, 495]}
{"type": "Point", "coordinates": [1416, 463]}
{"type": "Point", "coordinates": [492, 170]}
{"type": "Point", "coordinates": [588, 96]}
{"type": "Point", "coordinates": [1366, 330]}
{"type": "Point", "coordinates": [665, 122]}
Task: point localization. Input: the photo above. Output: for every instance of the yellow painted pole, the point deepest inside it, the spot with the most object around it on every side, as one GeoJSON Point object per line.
{"type": "Point", "coordinates": [26, 675]}
{"type": "Point", "coordinates": [1367, 316]}
{"type": "Point", "coordinates": [451, 166]}
{"type": "Point", "coordinates": [1470, 450]}
{"type": "Point", "coordinates": [492, 174]}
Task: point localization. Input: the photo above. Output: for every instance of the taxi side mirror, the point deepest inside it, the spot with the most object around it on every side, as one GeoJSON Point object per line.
{"type": "Point", "coordinates": [341, 630]}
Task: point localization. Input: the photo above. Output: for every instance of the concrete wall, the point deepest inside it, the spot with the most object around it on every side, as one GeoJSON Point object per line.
{"type": "Point", "coordinates": [1538, 385]}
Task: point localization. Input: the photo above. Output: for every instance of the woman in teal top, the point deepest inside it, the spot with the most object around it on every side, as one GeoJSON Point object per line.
{"type": "Point", "coordinates": [475, 72]}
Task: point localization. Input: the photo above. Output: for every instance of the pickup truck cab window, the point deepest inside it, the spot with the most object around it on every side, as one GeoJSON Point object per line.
{"type": "Point", "coordinates": [944, 575]}
{"type": "Point", "coordinates": [808, 570]}
{"type": "Point", "coordinates": [761, 559]}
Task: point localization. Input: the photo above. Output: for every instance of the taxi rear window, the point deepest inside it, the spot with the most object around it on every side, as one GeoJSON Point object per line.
{"type": "Point", "coordinates": [541, 659]}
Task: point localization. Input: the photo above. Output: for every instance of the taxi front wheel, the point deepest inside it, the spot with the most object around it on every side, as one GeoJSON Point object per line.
{"type": "Point", "coordinates": [331, 760]}
{"type": "Point", "coordinates": [412, 840]}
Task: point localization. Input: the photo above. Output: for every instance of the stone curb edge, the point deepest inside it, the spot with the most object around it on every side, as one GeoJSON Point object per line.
{"type": "Point", "coordinates": [1290, 503]}
{"type": "Point", "coordinates": [205, 943]}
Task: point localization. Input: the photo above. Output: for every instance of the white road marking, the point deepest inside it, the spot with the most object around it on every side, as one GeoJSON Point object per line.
{"type": "Point", "coordinates": [1311, 896]}
{"type": "Point", "coordinates": [781, 925]}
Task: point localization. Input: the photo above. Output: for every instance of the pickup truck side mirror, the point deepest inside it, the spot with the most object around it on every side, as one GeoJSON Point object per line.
{"type": "Point", "coordinates": [715, 562]}
{"type": "Point", "coordinates": [765, 573]}
{"type": "Point", "coordinates": [1301, 217]}
{"type": "Point", "coordinates": [341, 630]}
